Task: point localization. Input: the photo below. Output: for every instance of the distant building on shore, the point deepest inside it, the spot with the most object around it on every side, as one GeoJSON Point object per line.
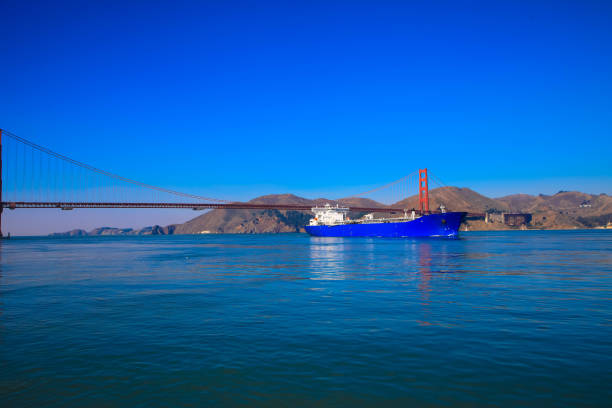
{"type": "Point", "coordinates": [510, 219]}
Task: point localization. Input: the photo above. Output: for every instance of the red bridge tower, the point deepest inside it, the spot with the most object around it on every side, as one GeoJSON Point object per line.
{"type": "Point", "coordinates": [423, 190]}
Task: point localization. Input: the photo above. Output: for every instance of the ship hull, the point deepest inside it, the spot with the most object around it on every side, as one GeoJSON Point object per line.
{"type": "Point", "coordinates": [432, 225]}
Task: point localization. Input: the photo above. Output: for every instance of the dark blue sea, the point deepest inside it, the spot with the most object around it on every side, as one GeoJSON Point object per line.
{"type": "Point", "coordinates": [520, 318]}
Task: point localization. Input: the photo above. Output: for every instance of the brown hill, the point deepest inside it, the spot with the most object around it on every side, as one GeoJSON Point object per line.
{"type": "Point", "coordinates": [251, 221]}
{"type": "Point", "coordinates": [455, 199]}
{"type": "Point", "coordinates": [521, 202]}
{"type": "Point", "coordinates": [281, 199]}
{"type": "Point", "coordinates": [360, 202]}
{"type": "Point", "coordinates": [562, 201]}
{"type": "Point", "coordinates": [244, 221]}
{"type": "Point", "coordinates": [566, 209]}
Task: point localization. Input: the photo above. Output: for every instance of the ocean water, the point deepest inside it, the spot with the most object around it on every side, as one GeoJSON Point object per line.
{"type": "Point", "coordinates": [519, 318]}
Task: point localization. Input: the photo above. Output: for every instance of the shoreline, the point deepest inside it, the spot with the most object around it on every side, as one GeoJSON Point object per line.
{"type": "Point", "coordinates": [287, 232]}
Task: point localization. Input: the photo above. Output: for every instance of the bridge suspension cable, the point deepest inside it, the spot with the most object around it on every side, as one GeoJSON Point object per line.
{"type": "Point", "coordinates": [392, 192]}
{"type": "Point", "coordinates": [76, 178]}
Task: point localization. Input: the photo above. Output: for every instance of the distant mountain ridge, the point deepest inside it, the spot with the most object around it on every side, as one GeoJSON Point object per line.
{"type": "Point", "coordinates": [566, 209]}
{"type": "Point", "coordinates": [103, 231]}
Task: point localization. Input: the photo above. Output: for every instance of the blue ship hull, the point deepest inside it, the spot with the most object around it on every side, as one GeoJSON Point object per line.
{"type": "Point", "coordinates": [432, 225]}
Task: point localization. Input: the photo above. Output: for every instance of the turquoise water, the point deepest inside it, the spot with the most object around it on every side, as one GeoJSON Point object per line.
{"type": "Point", "coordinates": [492, 319]}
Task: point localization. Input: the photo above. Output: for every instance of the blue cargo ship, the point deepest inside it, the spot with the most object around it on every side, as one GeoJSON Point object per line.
{"type": "Point", "coordinates": [333, 222]}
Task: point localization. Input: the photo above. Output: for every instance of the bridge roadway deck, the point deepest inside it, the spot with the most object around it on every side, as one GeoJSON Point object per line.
{"type": "Point", "coordinates": [196, 206]}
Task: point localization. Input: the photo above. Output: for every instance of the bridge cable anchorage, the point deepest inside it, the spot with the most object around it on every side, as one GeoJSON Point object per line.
{"type": "Point", "coordinates": [72, 180]}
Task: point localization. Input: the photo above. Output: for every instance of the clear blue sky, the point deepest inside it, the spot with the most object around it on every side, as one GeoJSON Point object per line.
{"type": "Point", "coordinates": [238, 99]}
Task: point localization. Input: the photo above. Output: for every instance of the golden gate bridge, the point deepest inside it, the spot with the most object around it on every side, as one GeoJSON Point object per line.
{"type": "Point", "coordinates": [33, 176]}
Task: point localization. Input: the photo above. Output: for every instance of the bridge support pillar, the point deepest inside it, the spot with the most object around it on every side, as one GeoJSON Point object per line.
{"type": "Point", "coordinates": [423, 191]}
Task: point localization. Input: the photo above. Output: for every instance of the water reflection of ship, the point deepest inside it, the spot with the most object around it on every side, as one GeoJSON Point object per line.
{"type": "Point", "coordinates": [434, 269]}
{"type": "Point", "coordinates": [424, 270]}
{"type": "Point", "coordinates": [327, 256]}
{"type": "Point", "coordinates": [424, 276]}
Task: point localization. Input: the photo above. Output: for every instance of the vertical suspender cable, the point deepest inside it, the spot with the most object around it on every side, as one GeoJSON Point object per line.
{"type": "Point", "coordinates": [23, 173]}
{"type": "Point", "coordinates": [32, 176]}
{"type": "Point", "coordinates": [56, 175]}
{"type": "Point", "coordinates": [40, 180]}
{"type": "Point", "coordinates": [15, 178]}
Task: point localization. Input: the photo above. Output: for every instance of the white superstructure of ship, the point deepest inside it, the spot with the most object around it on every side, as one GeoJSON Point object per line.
{"type": "Point", "coordinates": [336, 215]}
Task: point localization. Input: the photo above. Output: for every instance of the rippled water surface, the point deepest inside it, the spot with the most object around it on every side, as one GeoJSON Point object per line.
{"type": "Point", "coordinates": [493, 319]}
